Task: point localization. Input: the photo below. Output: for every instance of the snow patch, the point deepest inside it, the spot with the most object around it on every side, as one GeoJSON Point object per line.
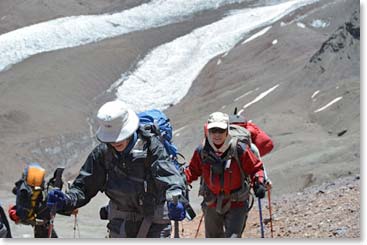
{"type": "Point", "coordinates": [178, 130]}
{"type": "Point", "coordinates": [165, 75]}
{"type": "Point", "coordinates": [315, 93]}
{"type": "Point", "coordinates": [318, 23]}
{"type": "Point", "coordinates": [329, 104]}
{"type": "Point", "coordinates": [73, 31]}
{"type": "Point", "coordinates": [275, 41]}
{"type": "Point", "coordinates": [256, 35]}
{"type": "Point", "coordinates": [258, 98]}
{"type": "Point", "coordinates": [245, 94]}
{"type": "Point", "coordinates": [300, 24]}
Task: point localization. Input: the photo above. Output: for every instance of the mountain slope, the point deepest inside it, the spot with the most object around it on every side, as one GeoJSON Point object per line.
{"type": "Point", "coordinates": [330, 210]}
{"type": "Point", "coordinates": [310, 147]}
{"type": "Point", "coordinates": [53, 125]}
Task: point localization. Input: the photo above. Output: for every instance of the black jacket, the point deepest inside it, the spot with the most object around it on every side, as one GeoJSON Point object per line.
{"type": "Point", "coordinates": [127, 177]}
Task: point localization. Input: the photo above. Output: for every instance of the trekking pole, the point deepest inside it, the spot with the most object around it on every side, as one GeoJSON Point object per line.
{"type": "Point", "coordinates": [271, 216]}
{"type": "Point", "coordinates": [57, 178]}
{"type": "Point", "coordinates": [76, 226]}
{"type": "Point", "coordinates": [261, 218]}
{"type": "Point", "coordinates": [197, 230]}
{"type": "Point", "coordinates": [51, 225]}
{"type": "Point", "coordinates": [75, 213]}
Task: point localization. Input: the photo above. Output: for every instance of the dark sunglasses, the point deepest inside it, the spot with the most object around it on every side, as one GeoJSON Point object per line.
{"type": "Point", "coordinates": [217, 130]}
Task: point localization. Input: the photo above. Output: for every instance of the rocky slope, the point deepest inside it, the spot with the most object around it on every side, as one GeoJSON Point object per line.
{"type": "Point", "coordinates": [330, 210]}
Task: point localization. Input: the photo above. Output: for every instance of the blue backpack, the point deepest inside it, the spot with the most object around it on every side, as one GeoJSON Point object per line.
{"type": "Point", "coordinates": [159, 124]}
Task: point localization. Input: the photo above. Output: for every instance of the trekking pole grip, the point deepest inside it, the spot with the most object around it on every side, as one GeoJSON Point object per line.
{"type": "Point", "coordinates": [176, 225]}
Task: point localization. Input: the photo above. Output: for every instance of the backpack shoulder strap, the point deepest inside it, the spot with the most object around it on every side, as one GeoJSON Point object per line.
{"type": "Point", "coordinates": [145, 135]}
{"type": "Point", "coordinates": [199, 149]}
{"type": "Point", "coordinates": [205, 151]}
{"type": "Point", "coordinates": [236, 154]}
{"type": "Point", "coordinates": [244, 176]}
{"type": "Point", "coordinates": [147, 161]}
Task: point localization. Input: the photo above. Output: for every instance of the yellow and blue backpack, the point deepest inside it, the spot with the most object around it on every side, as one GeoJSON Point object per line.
{"type": "Point", "coordinates": [29, 191]}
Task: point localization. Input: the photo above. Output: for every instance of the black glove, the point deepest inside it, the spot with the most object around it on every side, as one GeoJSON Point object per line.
{"type": "Point", "coordinates": [259, 189]}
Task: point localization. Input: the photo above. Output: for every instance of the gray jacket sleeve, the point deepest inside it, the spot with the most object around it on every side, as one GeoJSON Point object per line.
{"type": "Point", "coordinates": [164, 172]}
{"type": "Point", "coordinates": [91, 179]}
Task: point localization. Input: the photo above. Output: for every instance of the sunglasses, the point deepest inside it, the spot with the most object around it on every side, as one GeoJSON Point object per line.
{"type": "Point", "coordinates": [217, 130]}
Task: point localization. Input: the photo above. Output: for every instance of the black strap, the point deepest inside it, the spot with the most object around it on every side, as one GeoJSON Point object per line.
{"type": "Point", "coordinates": [144, 227]}
{"type": "Point", "coordinates": [147, 162]}
{"type": "Point", "coordinates": [147, 221]}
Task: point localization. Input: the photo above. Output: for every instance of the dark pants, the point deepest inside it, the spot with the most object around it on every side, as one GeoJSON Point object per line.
{"type": "Point", "coordinates": [120, 228]}
{"type": "Point", "coordinates": [41, 231]}
{"type": "Point", "coordinates": [231, 224]}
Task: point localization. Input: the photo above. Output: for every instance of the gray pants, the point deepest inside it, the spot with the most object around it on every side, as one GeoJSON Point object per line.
{"type": "Point", "coordinates": [120, 228]}
{"type": "Point", "coordinates": [230, 224]}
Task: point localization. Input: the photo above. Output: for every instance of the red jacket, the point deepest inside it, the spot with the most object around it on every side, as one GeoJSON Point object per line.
{"type": "Point", "coordinates": [232, 176]}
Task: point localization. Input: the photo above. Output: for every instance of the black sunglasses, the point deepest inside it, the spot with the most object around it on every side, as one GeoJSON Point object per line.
{"type": "Point", "coordinates": [217, 130]}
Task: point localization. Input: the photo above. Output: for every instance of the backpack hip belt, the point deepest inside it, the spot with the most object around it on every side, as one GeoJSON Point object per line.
{"type": "Point", "coordinates": [115, 213]}
{"type": "Point", "coordinates": [239, 195]}
{"type": "Point", "coordinates": [236, 196]}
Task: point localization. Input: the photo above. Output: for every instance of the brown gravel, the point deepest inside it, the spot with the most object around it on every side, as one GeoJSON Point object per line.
{"type": "Point", "coordinates": [331, 210]}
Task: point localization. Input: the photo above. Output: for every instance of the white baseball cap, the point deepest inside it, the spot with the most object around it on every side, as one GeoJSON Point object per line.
{"type": "Point", "coordinates": [218, 120]}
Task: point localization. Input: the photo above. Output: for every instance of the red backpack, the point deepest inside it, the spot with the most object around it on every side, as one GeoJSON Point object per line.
{"type": "Point", "coordinates": [258, 136]}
